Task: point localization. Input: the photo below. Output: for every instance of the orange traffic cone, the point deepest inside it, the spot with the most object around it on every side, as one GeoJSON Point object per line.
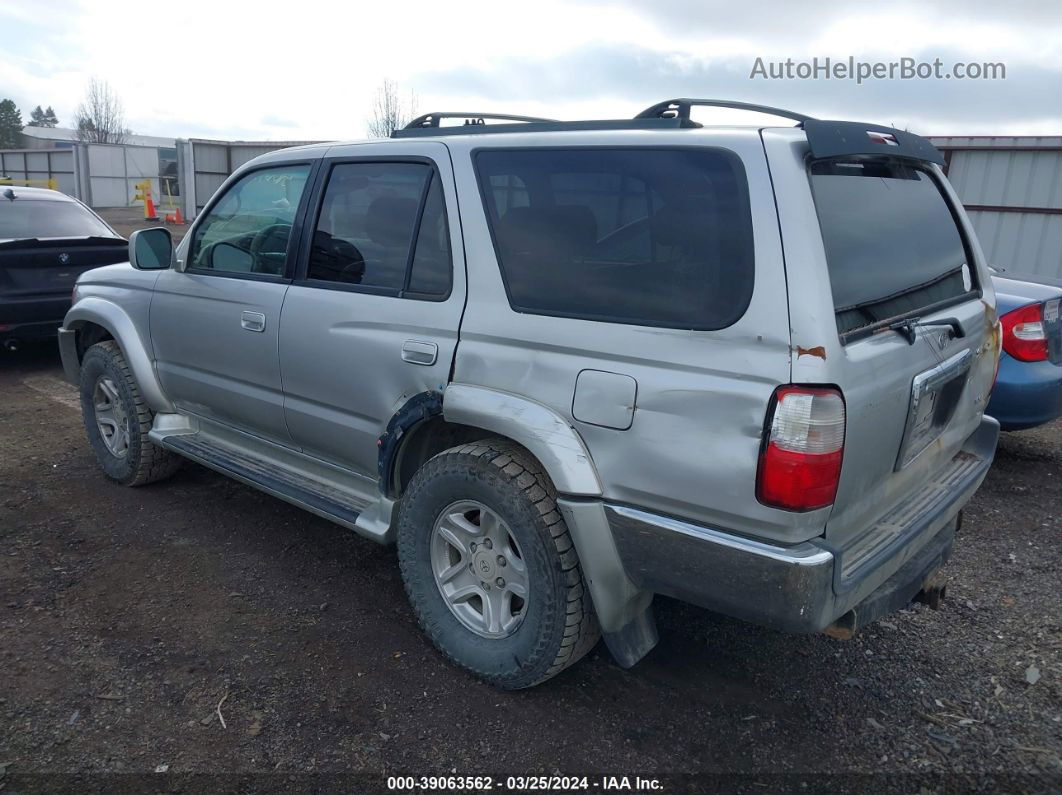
{"type": "Point", "coordinates": [178, 218]}
{"type": "Point", "coordinates": [149, 210]}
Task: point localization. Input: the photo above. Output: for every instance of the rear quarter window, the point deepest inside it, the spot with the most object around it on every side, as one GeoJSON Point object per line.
{"type": "Point", "coordinates": [892, 244]}
{"type": "Point", "coordinates": [656, 237]}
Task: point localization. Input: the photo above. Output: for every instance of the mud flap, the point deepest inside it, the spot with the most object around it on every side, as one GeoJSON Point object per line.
{"type": "Point", "coordinates": [634, 640]}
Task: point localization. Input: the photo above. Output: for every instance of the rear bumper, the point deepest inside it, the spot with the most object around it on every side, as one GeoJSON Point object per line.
{"type": "Point", "coordinates": [1026, 394]}
{"type": "Point", "coordinates": [803, 588]}
{"type": "Point", "coordinates": [27, 331]}
{"type": "Point", "coordinates": [29, 310]}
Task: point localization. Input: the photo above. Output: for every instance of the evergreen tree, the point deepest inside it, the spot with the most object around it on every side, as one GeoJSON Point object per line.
{"type": "Point", "coordinates": [10, 125]}
{"type": "Point", "coordinates": [43, 118]}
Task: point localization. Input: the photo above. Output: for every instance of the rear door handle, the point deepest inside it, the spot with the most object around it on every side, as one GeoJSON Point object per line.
{"type": "Point", "coordinates": [419, 352]}
{"type": "Point", "coordinates": [253, 321]}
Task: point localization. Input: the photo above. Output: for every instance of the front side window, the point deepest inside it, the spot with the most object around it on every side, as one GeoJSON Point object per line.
{"type": "Point", "coordinates": [892, 245]}
{"type": "Point", "coordinates": [658, 237]}
{"type": "Point", "coordinates": [249, 228]}
{"type": "Point", "coordinates": [383, 226]}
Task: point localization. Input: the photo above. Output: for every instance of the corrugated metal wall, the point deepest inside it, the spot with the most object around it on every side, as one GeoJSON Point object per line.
{"type": "Point", "coordinates": [114, 170]}
{"type": "Point", "coordinates": [1012, 190]}
{"type": "Point", "coordinates": [36, 167]}
{"type": "Point", "coordinates": [206, 164]}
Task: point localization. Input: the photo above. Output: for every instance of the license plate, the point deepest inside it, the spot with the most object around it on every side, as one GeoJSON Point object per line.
{"type": "Point", "coordinates": [934, 397]}
{"type": "Point", "coordinates": [1051, 311]}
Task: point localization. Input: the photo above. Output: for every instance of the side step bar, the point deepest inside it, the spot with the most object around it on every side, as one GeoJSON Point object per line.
{"type": "Point", "coordinates": [309, 493]}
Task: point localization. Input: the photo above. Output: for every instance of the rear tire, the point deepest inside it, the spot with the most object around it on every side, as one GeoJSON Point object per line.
{"type": "Point", "coordinates": [117, 420]}
{"type": "Point", "coordinates": [494, 489]}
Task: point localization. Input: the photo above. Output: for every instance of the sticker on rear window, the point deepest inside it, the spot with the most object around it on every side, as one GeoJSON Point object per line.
{"type": "Point", "coordinates": [1051, 311]}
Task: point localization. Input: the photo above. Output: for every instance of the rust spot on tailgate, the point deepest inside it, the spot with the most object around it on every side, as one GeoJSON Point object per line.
{"type": "Point", "coordinates": [818, 351]}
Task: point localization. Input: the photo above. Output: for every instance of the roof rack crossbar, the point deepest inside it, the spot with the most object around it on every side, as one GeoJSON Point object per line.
{"type": "Point", "coordinates": [433, 119]}
{"type": "Point", "coordinates": [680, 108]}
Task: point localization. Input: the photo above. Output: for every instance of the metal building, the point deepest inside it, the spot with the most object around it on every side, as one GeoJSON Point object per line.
{"type": "Point", "coordinates": [1011, 187]}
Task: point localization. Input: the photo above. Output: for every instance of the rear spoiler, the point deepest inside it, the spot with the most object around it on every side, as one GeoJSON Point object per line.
{"type": "Point", "coordinates": [845, 138]}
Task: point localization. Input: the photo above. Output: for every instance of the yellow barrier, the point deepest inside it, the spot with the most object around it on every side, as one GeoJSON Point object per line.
{"type": "Point", "coordinates": [48, 183]}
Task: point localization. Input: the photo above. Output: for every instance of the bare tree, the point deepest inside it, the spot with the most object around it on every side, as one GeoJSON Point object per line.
{"type": "Point", "coordinates": [388, 111]}
{"type": "Point", "coordinates": [100, 118]}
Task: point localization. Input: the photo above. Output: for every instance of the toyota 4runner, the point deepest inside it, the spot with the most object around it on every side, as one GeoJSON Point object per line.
{"type": "Point", "coordinates": [566, 366]}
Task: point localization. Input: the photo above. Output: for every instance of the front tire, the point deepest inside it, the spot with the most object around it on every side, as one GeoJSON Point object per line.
{"type": "Point", "coordinates": [490, 568]}
{"type": "Point", "coordinates": [117, 420]}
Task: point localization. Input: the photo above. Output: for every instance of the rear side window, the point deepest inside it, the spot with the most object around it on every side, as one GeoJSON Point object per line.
{"type": "Point", "coordinates": [892, 244]}
{"type": "Point", "coordinates": [655, 237]}
{"type": "Point", "coordinates": [383, 226]}
{"type": "Point", "coordinates": [21, 217]}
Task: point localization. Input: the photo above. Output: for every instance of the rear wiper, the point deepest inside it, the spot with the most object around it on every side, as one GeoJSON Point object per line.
{"type": "Point", "coordinates": [908, 328]}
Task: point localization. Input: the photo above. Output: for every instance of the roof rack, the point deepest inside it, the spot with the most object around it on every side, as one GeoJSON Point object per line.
{"type": "Point", "coordinates": [542, 126]}
{"type": "Point", "coordinates": [433, 119]}
{"type": "Point", "coordinates": [825, 138]}
{"type": "Point", "coordinates": [680, 109]}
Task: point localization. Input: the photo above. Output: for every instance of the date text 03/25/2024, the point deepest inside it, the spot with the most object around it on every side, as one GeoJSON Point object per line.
{"type": "Point", "coordinates": [522, 783]}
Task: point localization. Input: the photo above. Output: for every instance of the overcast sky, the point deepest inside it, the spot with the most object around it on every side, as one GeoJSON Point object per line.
{"type": "Point", "coordinates": [307, 70]}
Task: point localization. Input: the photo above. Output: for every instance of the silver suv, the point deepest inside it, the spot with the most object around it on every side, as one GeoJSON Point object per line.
{"type": "Point", "coordinates": [568, 366]}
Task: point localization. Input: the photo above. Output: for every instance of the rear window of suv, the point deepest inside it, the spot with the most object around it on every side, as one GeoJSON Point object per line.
{"type": "Point", "coordinates": [655, 237]}
{"type": "Point", "coordinates": [892, 244]}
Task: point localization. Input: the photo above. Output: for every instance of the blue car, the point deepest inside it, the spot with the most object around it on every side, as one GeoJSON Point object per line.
{"type": "Point", "coordinates": [1028, 389]}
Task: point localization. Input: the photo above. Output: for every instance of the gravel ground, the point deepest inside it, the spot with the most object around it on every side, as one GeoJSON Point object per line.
{"type": "Point", "coordinates": [133, 621]}
{"type": "Point", "coordinates": [126, 220]}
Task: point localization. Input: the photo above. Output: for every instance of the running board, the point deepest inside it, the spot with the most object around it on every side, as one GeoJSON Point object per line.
{"type": "Point", "coordinates": [289, 475]}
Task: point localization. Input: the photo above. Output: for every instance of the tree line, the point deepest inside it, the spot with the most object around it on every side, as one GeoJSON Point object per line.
{"type": "Point", "coordinates": [100, 118]}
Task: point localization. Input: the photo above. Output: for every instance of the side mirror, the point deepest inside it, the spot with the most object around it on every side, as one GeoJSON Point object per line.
{"type": "Point", "coordinates": [151, 249]}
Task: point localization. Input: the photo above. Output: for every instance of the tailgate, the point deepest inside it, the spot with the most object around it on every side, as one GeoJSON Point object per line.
{"type": "Point", "coordinates": [872, 242]}
{"type": "Point", "coordinates": [896, 256]}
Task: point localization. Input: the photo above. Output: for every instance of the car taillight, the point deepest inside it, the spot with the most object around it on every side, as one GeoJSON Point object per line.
{"type": "Point", "coordinates": [800, 463]}
{"type": "Point", "coordinates": [1024, 336]}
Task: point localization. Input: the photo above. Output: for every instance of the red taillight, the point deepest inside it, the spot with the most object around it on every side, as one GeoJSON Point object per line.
{"type": "Point", "coordinates": [801, 459]}
{"type": "Point", "coordinates": [1024, 337]}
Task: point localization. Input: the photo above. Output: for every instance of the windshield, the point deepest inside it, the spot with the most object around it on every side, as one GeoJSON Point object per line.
{"type": "Point", "coordinates": [35, 218]}
{"type": "Point", "coordinates": [892, 244]}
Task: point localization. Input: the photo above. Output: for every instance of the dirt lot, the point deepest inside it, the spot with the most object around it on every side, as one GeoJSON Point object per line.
{"type": "Point", "coordinates": [130, 618]}
{"type": "Point", "coordinates": [127, 220]}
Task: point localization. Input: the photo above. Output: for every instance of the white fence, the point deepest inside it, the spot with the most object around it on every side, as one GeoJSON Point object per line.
{"type": "Point", "coordinates": [105, 175]}
{"type": "Point", "coordinates": [101, 175]}
{"type": "Point", "coordinates": [41, 168]}
{"type": "Point", "coordinates": [114, 170]}
{"type": "Point", "coordinates": [204, 165]}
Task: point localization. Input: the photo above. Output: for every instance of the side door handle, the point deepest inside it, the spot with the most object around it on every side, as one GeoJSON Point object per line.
{"type": "Point", "coordinates": [253, 321]}
{"type": "Point", "coordinates": [419, 352]}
